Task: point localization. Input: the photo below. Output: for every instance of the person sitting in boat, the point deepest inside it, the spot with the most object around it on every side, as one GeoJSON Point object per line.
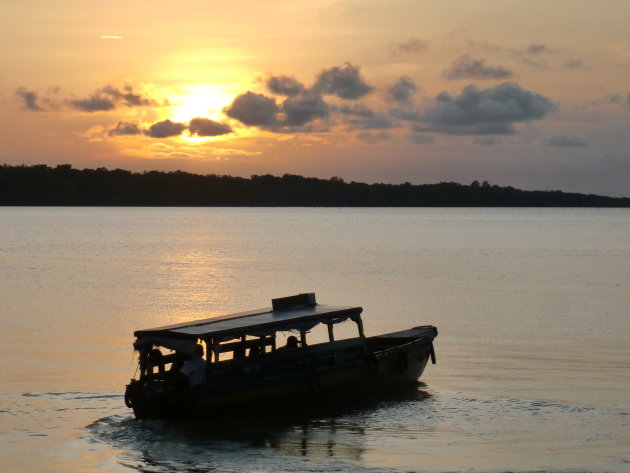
{"type": "Point", "coordinates": [239, 351]}
{"type": "Point", "coordinates": [256, 351]}
{"type": "Point", "coordinates": [292, 343]}
{"type": "Point", "coordinates": [195, 368]}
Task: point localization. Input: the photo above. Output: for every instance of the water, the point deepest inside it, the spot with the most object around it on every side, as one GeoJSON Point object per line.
{"type": "Point", "coordinates": [531, 306]}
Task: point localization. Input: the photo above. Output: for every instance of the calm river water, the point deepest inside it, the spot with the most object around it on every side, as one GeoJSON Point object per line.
{"type": "Point", "coordinates": [532, 308]}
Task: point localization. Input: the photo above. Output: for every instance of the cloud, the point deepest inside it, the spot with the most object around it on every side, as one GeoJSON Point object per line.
{"type": "Point", "coordinates": [253, 109]}
{"type": "Point", "coordinates": [127, 97]}
{"type": "Point", "coordinates": [109, 97]}
{"type": "Point", "coordinates": [125, 129]}
{"type": "Point", "coordinates": [410, 114]}
{"type": "Point", "coordinates": [536, 48]}
{"type": "Point", "coordinates": [357, 110]}
{"type": "Point", "coordinates": [612, 99]}
{"type": "Point", "coordinates": [285, 85]}
{"type": "Point", "coordinates": [492, 111]}
{"type": "Point", "coordinates": [377, 121]}
{"type": "Point", "coordinates": [411, 46]}
{"type": "Point", "coordinates": [402, 90]}
{"type": "Point", "coordinates": [372, 138]}
{"type": "Point", "coordinates": [258, 110]}
{"type": "Point", "coordinates": [300, 111]}
{"type": "Point", "coordinates": [486, 141]}
{"type": "Point", "coordinates": [486, 46]}
{"type": "Point", "coordinates": [616, 99]}
{"type": "Point", "coordinates": [466, 67]}
{"type": "Point", "coordinates": [345, 82]}
{"type": "Point", "coordinates": [574, 64]}
{"type": "Point", "coordinates": [364, 118]}
{"type": "Point", "coordinates": [567, 141]}
{"type": "Point", "coordinates": [165, 129]}
{"type": "Point", "coordinates": [628, 100]}
{"type": "Point", "coordinates": [110, 37]}
{"type": "Point", "coordinates": [200, 151]}
{"type": "Point", "coordinates": [93, 104]}
{"type": "Point", "coordinates": [162, 150]}
{"type": "Point", "coordinates": [29, 99]}
{"type": "Point", "coordinates": [231, 152]}
{"type": "Point", "coordinates": [306, 105]}
{"type": "Point", "coordinates": [532, 55]}
{"type": "Point", "coordinates": [420, 138]}
{"type": "Point", "coordinates": [205, 127]}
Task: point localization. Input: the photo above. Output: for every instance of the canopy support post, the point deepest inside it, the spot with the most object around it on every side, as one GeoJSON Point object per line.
{"type": "Point", "coordinates": [331, 339]}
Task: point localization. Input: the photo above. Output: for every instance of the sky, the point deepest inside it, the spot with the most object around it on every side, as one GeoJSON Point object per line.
{"type": "Point", "coordinates": [533, 94]}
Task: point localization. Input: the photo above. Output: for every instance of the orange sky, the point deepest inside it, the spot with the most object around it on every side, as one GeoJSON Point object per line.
{"type": "Point", "coordinates": [528, 93]}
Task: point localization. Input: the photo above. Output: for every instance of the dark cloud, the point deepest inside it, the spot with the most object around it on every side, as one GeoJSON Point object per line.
{"type": "Point", "coordinates": [205, 127]}
{"type": "Point", "coordinates": [357, 110]}
{"type": "Point", "coordinates": [364, 118]}
{"type": "Point", "coordinates": [253, 109]}
{"type": "Point", "coordinates": [466, 67]}
{"type": "Point", "coordinates": [125, 129]}
{"type": "Point", "coordinates": [345, 82]}
{"type": "Point", "coordinates": [258, 110]}
{"type": "Point", "coordinates": [536, 48]}
{"type": "Point", "coordinates": [420, 138]}
{"type": "Point", "coordinates": [300, 111]}
{"type": "Point", "coordinates": [480, 129]}
{"type": "Point", "coordinates": [303, 107]}
{"type": "Point", "coordinates": [93, 104]}
{"type": "Point", "coordinates": [29, 99]}
{"type": "Point", "coordinates": [377, 121]}
{"type": "Point", "coordinates": [285, 85]}
{"type": "Point", "coordinates": [127, 97]}
{"type": "Point", "coordinates": [372, 138]}
{"type": "Point", "coordinates": [566, 141]}
{"type": "Point", "coordinates": [402, 90]}
{"type": "Point", "coordinates": [165, 129]}
{"type": "Point", "coordinates": [628, 100]}
{"type": "Point", "coordinates": [492, 111]}
{"type": "Point", "coordinates": [409, 114]}
{"type": "Point", "coordinates": [109, 97]}
{"type": "Point", "coordinates": [486, 141]}
{"type": "Point", "coordinates": [411, 46]}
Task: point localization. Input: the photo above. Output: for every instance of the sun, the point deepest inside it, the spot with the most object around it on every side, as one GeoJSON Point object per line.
{"type": "Point", "coordinates": [198, 100]}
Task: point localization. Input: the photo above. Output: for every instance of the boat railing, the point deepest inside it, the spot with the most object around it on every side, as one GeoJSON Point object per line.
{"type": "Point", "coordinates": [330, 352]}
{"type": "Point", "coordinates": [294, 358]}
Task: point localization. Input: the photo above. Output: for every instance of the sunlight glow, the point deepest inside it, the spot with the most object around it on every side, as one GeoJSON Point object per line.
{"type": "Point", "coordinates": [199, 100]}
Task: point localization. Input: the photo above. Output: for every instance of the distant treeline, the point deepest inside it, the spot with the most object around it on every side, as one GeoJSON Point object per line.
{"type": "Point", "coordinates": [63, 185]}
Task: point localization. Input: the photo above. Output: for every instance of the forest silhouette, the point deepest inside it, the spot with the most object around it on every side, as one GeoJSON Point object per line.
{"type": "Point", "coordinates": [64, 185]}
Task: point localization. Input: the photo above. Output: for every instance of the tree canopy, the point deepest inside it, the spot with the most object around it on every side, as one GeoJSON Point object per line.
{"type": "Point", "coordinates": [65, 186]}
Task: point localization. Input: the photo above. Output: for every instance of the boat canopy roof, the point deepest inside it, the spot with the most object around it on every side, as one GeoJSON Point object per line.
{"type": "Point", "coordinates": [299, 312]}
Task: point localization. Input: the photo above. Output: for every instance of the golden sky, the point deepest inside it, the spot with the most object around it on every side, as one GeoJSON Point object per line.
{"type": "Point", "coordinates": [529, 93]}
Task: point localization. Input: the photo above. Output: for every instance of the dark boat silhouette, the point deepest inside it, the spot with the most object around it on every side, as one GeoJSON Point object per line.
{"type": "Point", "coordinates": [244, 369]}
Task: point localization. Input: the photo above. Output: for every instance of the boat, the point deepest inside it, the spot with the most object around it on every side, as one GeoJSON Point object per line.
{"type": "Point", "coordinates": [245, 368]}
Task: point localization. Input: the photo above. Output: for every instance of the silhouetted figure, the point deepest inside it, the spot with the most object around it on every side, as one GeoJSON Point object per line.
{"type": "Point", "coordinates": [239, 352]}
{"type": "Point", "coordinates": [177, 364]}
{"type": "Point", "coordinates": [156, 360]}
{"type": "Point", "coordinates": [256, 350]}
{"type": "Point", "coordinates": [292, 343]}
{"type": "Point", "coordinates": [195, 368]}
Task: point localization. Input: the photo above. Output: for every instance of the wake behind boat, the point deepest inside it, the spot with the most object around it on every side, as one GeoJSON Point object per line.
{"type": "Point", "coordinates": [244, 368]}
